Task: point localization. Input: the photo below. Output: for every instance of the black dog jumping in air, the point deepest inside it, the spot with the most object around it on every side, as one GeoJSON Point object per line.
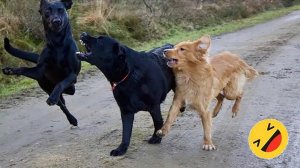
{"type": "Point", "coordinates": [57, 66]}
{"type": "Point", "coordinates": [140, 81]}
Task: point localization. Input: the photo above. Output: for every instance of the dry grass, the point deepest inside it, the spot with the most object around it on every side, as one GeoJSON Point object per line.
{"type": "Point", "coordinates": [124, 19]}
{"type": "Point", "coordinates": [97, 14]}
{"type": "Point", "coordinates": [133, 22]}
{"type": "Point", "coordinates": [21, 16]}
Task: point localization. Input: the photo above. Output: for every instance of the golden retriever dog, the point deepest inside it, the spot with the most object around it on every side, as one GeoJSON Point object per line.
{"type": "Point", "coordinates": [201, 78]}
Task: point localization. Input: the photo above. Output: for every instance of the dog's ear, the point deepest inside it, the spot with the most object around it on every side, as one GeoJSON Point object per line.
{"type": "Point", "coordinates": [119, 50]}
{"type": "Point", "coordinates": [42, 4]}
{"type": "Point", "coordinates": [68, 3]}
{"type": "Point", "coordinates": [204, 43]}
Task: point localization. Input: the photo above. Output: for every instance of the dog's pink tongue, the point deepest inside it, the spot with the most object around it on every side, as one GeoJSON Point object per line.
{"type": "Point", "coordinates": [80, 54]}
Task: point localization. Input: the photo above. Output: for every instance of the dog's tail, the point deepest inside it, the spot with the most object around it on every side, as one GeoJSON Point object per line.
{"type": "Point", "coordinates": [32, 57]}
{"type": "Point", "coordinates": [250, 72]}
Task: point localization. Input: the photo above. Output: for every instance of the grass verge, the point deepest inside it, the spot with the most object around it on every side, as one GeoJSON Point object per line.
{"type": "Point", "coordinates": [180, 35]}
{"type": "Point", "coordinates": [176, 35]}
{"type": "Point", "coordinates": [10, 89]}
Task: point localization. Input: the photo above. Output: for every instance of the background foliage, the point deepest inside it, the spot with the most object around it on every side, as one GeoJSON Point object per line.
{"type": "Point", "coordinates": [133, 22]}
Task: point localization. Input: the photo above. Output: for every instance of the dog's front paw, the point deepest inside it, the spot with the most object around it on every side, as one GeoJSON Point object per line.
{"type": "Point", "coordinates": [154, 140]}
{"type": "Point", "coordinates": [72, 127]}
{"type": "Point", "coordinates": [208, 146]}
{"type": "Point", "coordinates": [121, 150]}
{"type": "Point", "coordinates": [8, 71]}
{"type": "Point", "coordinates": [161, 133]}
{"type": "Point", "coordinates": [73, 121]}
{"type": "Point", "coordinates": [52, 101]}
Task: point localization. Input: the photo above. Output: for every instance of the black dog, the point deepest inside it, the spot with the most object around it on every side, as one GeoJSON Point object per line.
{"type": "Point", "coordinates": [57, 66]}
{"type": "Point", "coordinates": [140, 81]}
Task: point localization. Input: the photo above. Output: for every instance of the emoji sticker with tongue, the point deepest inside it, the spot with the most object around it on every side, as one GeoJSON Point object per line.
{"type": "Point", "coordinates": [268, 138]}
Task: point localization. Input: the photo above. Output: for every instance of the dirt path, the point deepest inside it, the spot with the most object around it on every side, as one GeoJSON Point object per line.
{"type": "Point", "coordinates": [34, 135]}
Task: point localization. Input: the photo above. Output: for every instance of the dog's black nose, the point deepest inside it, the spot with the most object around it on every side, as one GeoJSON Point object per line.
{"type": "Point", "coordinates": [165, 51]}
{"type": "Point", "coordinates": [84, 34]}
{"type": "Point", "coordinates": [56, 22]}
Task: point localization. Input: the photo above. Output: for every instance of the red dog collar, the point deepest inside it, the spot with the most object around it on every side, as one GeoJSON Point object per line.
{"type": "Point", "coordinates": [115, 84]}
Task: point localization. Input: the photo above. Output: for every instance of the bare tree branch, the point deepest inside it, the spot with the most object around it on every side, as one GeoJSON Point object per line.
{"type": "Point", "coordinates": [148, 6]}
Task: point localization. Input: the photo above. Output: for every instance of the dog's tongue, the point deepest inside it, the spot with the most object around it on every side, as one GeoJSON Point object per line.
{"type": "Point", "coordinates": [79, 54]}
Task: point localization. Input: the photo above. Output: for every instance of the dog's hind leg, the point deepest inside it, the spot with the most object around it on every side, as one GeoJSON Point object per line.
{"type": "Point", "coordinates": [70, 117]}
{"type": "Point", "coordinates": [158, 123]}
{"type": "Point", "coordinates": [236, 106]}
{"type": "Point", "coordinates": [48, 88]}
{"type": "Point", "coordinates": [32, 57]}
{"type": "Point", "coordinates": [234, 91]}
{"type": "Point", "coordinates": [217, 109]}
{"type": "Point", "coordinates": [127, 123]}
{"type": "Point", "coordinates": [33, 73]}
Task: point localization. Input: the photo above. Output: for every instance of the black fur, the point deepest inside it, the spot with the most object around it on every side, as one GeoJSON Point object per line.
{"type": "Point", "coordinates": [148, 82]}
{"type": "Point", "coordinates": [57, 66]}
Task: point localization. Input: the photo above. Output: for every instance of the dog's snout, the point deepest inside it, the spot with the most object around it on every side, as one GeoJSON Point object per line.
{"type": "Point", "coordinates": [165, 52]}
{"type": "Point", "coordinates": [56, 21]}
{"type": "Point", "coordinates": [84, 36]}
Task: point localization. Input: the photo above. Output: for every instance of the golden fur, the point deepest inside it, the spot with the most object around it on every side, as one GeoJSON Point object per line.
{"type": "Point", "coordinates": [200, 79]}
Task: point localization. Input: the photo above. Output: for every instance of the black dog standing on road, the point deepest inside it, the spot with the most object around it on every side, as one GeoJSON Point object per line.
{"type": "Point", "coordinates": [57, 66]}
{"type": "Point", "coordinates": [140, 81]}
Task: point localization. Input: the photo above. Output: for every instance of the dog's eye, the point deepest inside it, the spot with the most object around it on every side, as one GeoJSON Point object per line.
{"type": "Point", "coordinates": [182, 49]}
{"type": "Point", "coordinates": [47, 14]}
{"type": "Point", "coordinates": [49, 10]}
{"type": "Point", "coordinates": [60, 10]}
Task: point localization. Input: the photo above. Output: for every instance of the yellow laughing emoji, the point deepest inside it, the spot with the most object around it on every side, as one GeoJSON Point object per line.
{"type": "Point", "coordinates": [268, 138]}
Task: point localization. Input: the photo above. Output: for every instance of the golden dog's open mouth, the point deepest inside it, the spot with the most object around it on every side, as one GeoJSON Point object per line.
{"type": "Point", "coordinates": [171, 62]}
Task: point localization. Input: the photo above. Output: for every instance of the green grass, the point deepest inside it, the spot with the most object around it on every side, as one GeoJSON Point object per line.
{"type": "Point", "coordinates": [10, 89]}
{"type": "Point", "coordinates": [176, 35]}
{"type": "Point", "coordinates": [231, 26]}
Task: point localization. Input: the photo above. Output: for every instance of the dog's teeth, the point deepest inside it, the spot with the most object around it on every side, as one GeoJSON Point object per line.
{"type": "Point", "coordinates": [81, 42]}
{"type": "Point", "coordinates": [78, 53]}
